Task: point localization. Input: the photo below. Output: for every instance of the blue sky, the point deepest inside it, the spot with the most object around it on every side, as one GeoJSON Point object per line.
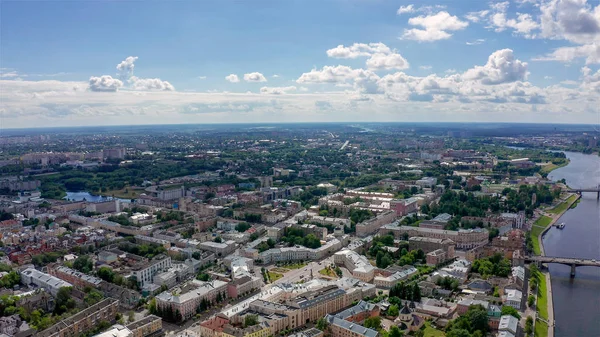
{"type": "Point", "coordinates": [522, 60]}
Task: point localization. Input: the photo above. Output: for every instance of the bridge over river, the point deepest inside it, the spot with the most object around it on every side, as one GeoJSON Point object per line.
{"type": "Point", "coordinates": [590, 189]}
{"type": "Point", "coordinates": [573, 262]}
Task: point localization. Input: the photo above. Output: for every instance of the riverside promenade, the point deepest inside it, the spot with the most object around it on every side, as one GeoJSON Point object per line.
{"type": "Point", "coordinates": [555, 218]}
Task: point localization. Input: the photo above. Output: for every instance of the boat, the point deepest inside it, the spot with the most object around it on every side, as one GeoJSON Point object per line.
{"type": "Point", "coordinates": [561, 225]}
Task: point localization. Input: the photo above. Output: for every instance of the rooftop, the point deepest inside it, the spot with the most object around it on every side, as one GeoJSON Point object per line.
{"type": "Point", "coordinates": [359, 329]}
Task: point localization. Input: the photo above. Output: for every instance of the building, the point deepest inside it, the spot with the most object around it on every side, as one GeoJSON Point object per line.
{"type": "Point", "coordinates": [145, 271]}
{"type": "Point", "coordinates": [78, 279]}
{"type": "Point", "coordinates": [404, 206]}
{"type": "Point", "coordinates": [316, 304]}
{"type": "Point", "coordinates": [147, 326]}
{"type": "Point", "coordinates": [464, 239]}
{"type": "Point", "coordinates": [388, 280]}
{"type": "Point", "coordinates": [343, 328]}
{"type": "Point", "coordinates": [436, 257]}
{"type": "Point", "coordinates": [116, 330]}
{"type": "Point", "coordinates": [213, 327]}
{"type": "Point", "coordinates": [427, 244]}
{"type": "Point", "coordinates": [357, 264]}
{"type": "Point", "coordinates": [509, 324]}
{"type": "Point", "coordinates": [358, 313]}
{"type": "Point", "coordinates": [371, 226]}
{"type": "Point", "coordinates": [47, 282]}
{"type": "Point", "coordinates": [243, 285]}
{"type": "Point", "coordinates": [219, 248]}
{"type": "Point", "coordinates": [114, 153]}
{"type": "Point", "coordinates": [83, 321]}
{"type": "Point", "coordinates": [186, 299]}
{"type": "Point", "coordinates": [513, 298]}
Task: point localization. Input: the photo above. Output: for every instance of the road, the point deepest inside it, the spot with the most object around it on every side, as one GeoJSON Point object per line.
{"type": "Point", "coordinates": [295, 275]}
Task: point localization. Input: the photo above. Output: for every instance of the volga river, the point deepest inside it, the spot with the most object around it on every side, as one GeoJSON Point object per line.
{"type": "Point", "coordinates": [577, 301]}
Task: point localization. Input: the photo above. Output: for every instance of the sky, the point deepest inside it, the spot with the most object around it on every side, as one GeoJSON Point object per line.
{"type": "Point", "coordinates": [77, 63]}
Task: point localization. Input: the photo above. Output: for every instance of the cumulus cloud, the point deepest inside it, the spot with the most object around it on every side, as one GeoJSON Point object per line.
{"type": "Point", "coordinates": [435, 27]}
{"type": "Point", "coordinates": [150, 84]}
{"type": "Point", "coordinates": [104, 83]}
{"type": "Point", "coordinates": [477, 16]}
{"type": "Point", "coordinates": [9, 74]}
{"type": "Point", "coordinates": [381, 57]}
{"type": "Point", "coordinates": [254, 77]}
{"type": "Point", "coordinates": [233, 78]}
{"type": "Point", "coordinates": [406, 9]}
{"type": "Point", "coordinates": [572, 20]}
{"type": "Point", "coordinates": [501, 67]}
{"type": "Point", "coordinates": [362, 79]}
{"type": "Point", "coordinates": [126, 66]}
{"type": "Point", "coordinates": [277, 90]}
{"type": "Point", "coordinates": [590, 52]}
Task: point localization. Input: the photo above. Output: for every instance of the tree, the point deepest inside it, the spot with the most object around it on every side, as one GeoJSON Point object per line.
{"type": "Point", "coordinates": [529, 325]}
{"type": "Point", "coordinates": [106, 274]}
{"type": "Point", "coordinates": [416, 293]}
{"type": "Point", "coordinates": [250, 320]}
{"type": "Point", "coordinates": [508, 310]}
{"type": "Point", "coordinates": [64, 302]}
{"type": "Point", "coordinates": [373, 323]}
{"type": "Point", "coordinates": [131, 316]}
{"type": "Point", "coordinates": [218, 239]}
{"type": "Point", "coordinates": [322, 324]}
{"type": "Point", "coordinates": [530, 300]}
{"type": "Point", "coordinates": [458, 333]}
{"type": "Point", "coordinates": [393, 310]}
{"type": "Point", "coordinates": [93, 296]}
{"type": "Point", "coordinates": [395, 331]}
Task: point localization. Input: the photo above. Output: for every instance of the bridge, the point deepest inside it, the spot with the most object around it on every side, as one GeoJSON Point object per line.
{"type": "Point", "coordinates": [590, 189]}
{"type": "Point", "coordinates": [573, 262]}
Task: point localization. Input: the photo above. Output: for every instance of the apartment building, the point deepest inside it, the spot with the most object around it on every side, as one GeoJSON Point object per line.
{"type": "Point", "coordinates": [78, 279]}
{"type": "Point", "coordinates": [146, 326]}
{"type": "Point", "coordinates": [389, 279]}
{"type": "Point", "coordinates": [342, 328]}
{"type": "Point", "coordinates": [357, 264]}
{"type": "Point", "coordinates": [145, 271]}
{"type": "Point", "coordinates": [371, 226]}
{"type": "Point", "coordinates": [187, 298]}
{"type": "Point", "coordinates": [428, 244]}
{"type": "Point", "coordinates": [45, 281]}
{"type": "Point", "coordinates": [316, 304]}
{"type": "Point", "coordinates": [219, 248]}
{"type": "Point", "coordinates": [83, 321]}
{"type": "Point", "coordinates": [464, 239]}
{"type": "Point", "coordinates": [299, 253]}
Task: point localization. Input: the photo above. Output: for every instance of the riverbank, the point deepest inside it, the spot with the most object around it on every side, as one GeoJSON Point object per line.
{"type": "Point", "coordinates": [544, 326]}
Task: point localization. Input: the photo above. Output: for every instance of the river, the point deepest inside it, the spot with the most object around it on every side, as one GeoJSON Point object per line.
{"type": "Point", "coordinates": [577, 301]}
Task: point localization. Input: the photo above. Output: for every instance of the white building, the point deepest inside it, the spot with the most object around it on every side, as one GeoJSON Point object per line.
{"type": "Point", "coordinates": [187, 298]}
{"type": "Point", "coordinates": [513, 298]}
{"type": "Point", "coordinates": [42, 280]}
{"type": "Point", "coordinates": [389, 281]}
{"type": "Point", "coordinates": [357, 264]}
{"type": "Point", "coordinates": [145, 272]}
{"type": "Point", "coordinates": [509, 324]}
{"type": "Point", "coordinates": [219, 248]}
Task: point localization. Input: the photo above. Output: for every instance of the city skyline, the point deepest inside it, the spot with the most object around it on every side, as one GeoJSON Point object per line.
{"type": "Point", "coordinates": [93, 63]}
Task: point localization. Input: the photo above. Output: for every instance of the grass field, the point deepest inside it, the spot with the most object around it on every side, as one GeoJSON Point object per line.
{"type": "Point", "coordinates": [537, 228]}
{"type": "Point", "coordinates": [294, 265]}
{"type": "Point", "coordinates": [541, 329]}
{"type": "Point", "coordinates": [327, 272]}
{"type": "Point", "coordinates": [431, 332]}
{"type": "Point", "coordinates": [542, 301]}
{"type": "Point", "coordinates": [124, 193]}
{"type": "Point", "coordinates": [551, 167]}
{"type": "Point", "coordinates": [563, 205]}
{"type": "Point", "coordinates": [273, 276]}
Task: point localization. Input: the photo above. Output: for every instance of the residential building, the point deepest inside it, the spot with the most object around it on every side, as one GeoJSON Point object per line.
{"type": "Point", "coordinates": [358, 313]}
{"type": "Point", "coordinates": [242, 285]}
{"type": "Point", "coordinates": [78, 279]}
{"type": "Point", "coordinates": [404, 206]}
{"type": "Point", "coordinates": [509, 324]}
{"type": "Point", "coordinates": [219, 248]}
{"type": "Point", "coordinates": [513, 298]}
{"type": "Point", "coordinates": [47, 282]}
{"type": "Point", "coordinates": [343, 328]}
{"type": "Point", "coordinates": [389, 279]}
{"type": "Point", "coordinates": [371, 226]}
{"type": "Point", "coordinates": [428, 244]}
{"type": "Point", "coordinates": [145, 271]}
{"type": "Point", "coordinates": [213, 327]}
{"type": "Point", "coordinates": [187, 298]}
{"type": "Point", "coordinates": [357, 264]}
{"type": "Point", "coordinates": [83, 321]}
{"type": "Point", "coordinates": [464, 239]}
{"type": "Point", "coordinates": [436, 257]}
{"type": "Point", "coordinates": [147, 326]}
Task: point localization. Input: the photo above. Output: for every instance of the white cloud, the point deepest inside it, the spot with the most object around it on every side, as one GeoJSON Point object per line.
{"type": "Point", "coordinates": [572, 20]}
{"type": "Point", "coordinates": [104, 83]}
{"type": "Point", "coordinates": [358, 50]}
{"type": "Point", "coordinates": [254, 77]}
{"type": "Point", "coordinates": [150, 84]}
{"type": "Point", "coordinates": [406, 9]}
{"type": "Point", "coordinates": [501, 67]}
{"type": "Point", "coordinates": [126, 66]}
{"type": "Point", "coordinates": [425, 67]}
{"type": "Point", "coordinates": [201, 77]}
{"type": "Point", "coordinates": [476, 42]}
{"type": "Point", "coordinates": [590, 52]}
{"type": "Point", "coordinates": [362, 79]}
{"type": "Point", "coordinates": [548, 77]}
{"type": "Point", "coordinates": [381, 57]}
{"type": "Point", "coordinates": [477, 16]}
{"type": "Point", "coordinates": [233, 78]}
{"type": "Point", "coordinates": [436, 27]}
{"type": "Point", "coordinates": [275, 76]}
{"type": "Point", "coordinates": [9, 74]}
{"type": "Point", "coordinates": [277, 90]}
